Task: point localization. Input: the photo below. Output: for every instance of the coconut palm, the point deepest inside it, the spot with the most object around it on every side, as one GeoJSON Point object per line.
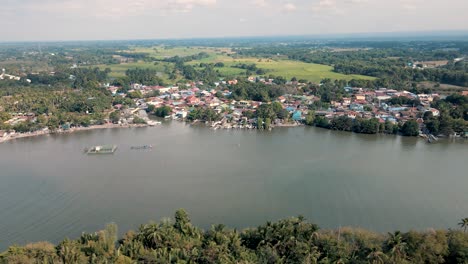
{"type": "Point", "coordinates": [397, 246]}
{"type": "Point", "coordinates": [464, 224]}
{"type": "Point", "coordinates": [376, 257]}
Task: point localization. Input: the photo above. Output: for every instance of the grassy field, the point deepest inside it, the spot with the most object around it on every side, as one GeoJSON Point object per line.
{"type": "Point", "coordinates": [161, 52]}
{"type": "Point", "coordinates": [286, 68]}
{"type": "Point", "coordinates": [279, 67]}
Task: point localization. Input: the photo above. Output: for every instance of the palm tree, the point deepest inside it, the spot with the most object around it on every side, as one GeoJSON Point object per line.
{"type": "Point", "coordinates": [376, 257]}
{"type": "Point", "coordinates": [464, 224]}
{"type": "Point", "coordinates": [397, 246]}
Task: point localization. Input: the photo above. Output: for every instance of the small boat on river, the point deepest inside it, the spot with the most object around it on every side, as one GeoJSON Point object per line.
{"type": "Point", "coordinates": [141, 147]}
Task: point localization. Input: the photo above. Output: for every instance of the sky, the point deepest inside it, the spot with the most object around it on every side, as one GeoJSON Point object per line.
{"type": "Point", "coordinates": [52, 20]}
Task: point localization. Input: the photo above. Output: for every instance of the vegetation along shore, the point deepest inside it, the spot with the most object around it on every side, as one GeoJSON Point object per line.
{"type": "Point", "coordinates": [12, 136]}
{"type": "Point", "coordinates": [292, 240]}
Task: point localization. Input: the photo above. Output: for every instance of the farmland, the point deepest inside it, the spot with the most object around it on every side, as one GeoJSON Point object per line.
{"type": "Point", "coordinates": [272, 66]}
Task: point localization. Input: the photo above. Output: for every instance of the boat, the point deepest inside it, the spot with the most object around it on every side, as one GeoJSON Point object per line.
{"type": "Point", "coordinates": [105, 149]}
{"type": "Point", "coordinates": [141, 147]}
{"type": "Point", "coordinates": [153, 123]}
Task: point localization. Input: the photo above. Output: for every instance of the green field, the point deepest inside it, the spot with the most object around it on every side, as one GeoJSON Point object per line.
{"type": "Point", "coordinates": [161, 52]}
{"type": "Point", "coordinates": [278, 67]}
{"type": "Point", "coordinates": [281, 67]}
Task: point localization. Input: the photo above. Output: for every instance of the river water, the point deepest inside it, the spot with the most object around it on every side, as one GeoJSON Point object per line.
{"type": "Point", "coordinates": [50, 190]}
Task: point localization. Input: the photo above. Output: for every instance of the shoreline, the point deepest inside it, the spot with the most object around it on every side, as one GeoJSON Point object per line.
{"type": "Point", "coordinates": [69, 131]}
{"type": "Point", "coordinates": [113, 126]}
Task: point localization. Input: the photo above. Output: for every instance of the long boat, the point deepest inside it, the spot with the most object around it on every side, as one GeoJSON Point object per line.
{"type": "Point", "coordinates": [141, 147]}
{"type": "Point", "coordinates": [105, 149]}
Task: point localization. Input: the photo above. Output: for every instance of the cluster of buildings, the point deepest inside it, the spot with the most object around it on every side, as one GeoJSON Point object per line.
{"type": "Point", "coordinates": [366, 103]}
{"type": "Point", "coordinates": [361, 103]}
{"type": "Point", "coordinates": [5, 76]}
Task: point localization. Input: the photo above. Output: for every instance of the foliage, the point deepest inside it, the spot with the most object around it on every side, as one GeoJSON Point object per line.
{"type": "Point", "coordinates": [203, 114]}
{"type": "Point", "coordinates": [163, 111]}
{"type": "Point", "coordinates": [144, 76]}
{"type": "Point", "coordinates": [255, 91]}
{"type": "Point", "coordinates": [292, 240]}
{"type": "Point", "coordinates": [138, 120]}
{"type": "Point", "coordinates": [410, 128]}
{"type": "Point", "coordinates": [114, 117]}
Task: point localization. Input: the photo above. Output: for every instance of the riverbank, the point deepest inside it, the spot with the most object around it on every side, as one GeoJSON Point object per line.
{"type": "Point", "coordinates": [13, 136]}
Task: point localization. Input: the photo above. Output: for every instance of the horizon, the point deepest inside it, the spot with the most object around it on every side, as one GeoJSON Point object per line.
{"type": "Point", "coordinates": [353, 36]}
{"type": "Point", "coordinates": [74, 20]}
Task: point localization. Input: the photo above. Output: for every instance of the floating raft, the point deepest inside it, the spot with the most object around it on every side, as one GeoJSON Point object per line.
{"type": "Point", "coordinates": [107, 149]}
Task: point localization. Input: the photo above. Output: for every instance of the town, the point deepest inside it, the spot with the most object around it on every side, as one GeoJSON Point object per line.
{"type": "Point", "coordinates": [387, 110]}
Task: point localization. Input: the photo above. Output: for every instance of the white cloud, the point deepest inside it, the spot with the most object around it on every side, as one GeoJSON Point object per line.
{"type": "Point", "coordinates": [111, 19]}
{"type": "Point", "coordinates": [289, 7]}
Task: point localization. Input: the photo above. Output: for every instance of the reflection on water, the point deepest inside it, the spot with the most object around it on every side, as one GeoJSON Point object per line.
{"type": "Point", "coordinates": [50, 190]}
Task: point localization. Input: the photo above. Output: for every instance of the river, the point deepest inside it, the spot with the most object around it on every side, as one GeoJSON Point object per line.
{"type": "Point", "coordinates": [50, 190]}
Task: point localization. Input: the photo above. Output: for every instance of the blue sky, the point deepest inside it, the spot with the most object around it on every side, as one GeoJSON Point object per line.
{"type": "Point", "coordinates": [154, 19]}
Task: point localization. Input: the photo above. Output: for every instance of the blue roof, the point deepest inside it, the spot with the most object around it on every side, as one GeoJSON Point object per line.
{"type": "Point", "coordinates": [297, 116]}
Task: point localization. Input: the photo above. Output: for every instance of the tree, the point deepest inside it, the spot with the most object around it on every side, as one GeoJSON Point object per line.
{"type": "Point", "coordinates": [259, 123]}
{"type": "Point", "coordinates": [114, 117]}
{"type": "Point", "coordinates": [135, 95]}
{"type": "Point", "coordinates": [163, 111]}
{"type": "Point", "coordinates": [181, 220]}
{"type": "Point", "coordinates": [249, 114]}
{"type": "Point", "coordinates": [464, 224]}
{"type": "Point", "coordinates": [310, 118]}
{"type": "Point", "coordinates": [396, 247]}
{"type": "Point", "coordinates": [138, 120]}
{"type": "Point", "coordinates": [410, 128]}
{"type": "Point", "coordinates": [150, 108]}
{"type": "Point", "coordinates": [267, 123]}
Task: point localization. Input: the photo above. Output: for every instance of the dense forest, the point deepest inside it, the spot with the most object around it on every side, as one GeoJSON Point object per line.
{"type": "Point", "coordinates": [292, 240]}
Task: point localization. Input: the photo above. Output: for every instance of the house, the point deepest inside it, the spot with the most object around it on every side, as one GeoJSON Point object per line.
{"type": "Point", "coordinates": [425, 98]}
{"type": "Point", "coordinates": [346, 101]}
{"type": "Point", "coordinates": [255, 104]}
{"type": "Point", "coordinates": [181, 114]}
{"type": "Point", "coordinates": [214, 102]}
{"type": "Point", "coordinates": [383, 97]}
{"type": "Point", "coordinates": [335, 104]}
{"type": "Point", "coordinates": [297, 116]}
{"type": "Point", "coordinates": [352, 114]}
{"type": "Point", "coordinates": [113, 89]}
{"type": "Point", "coordinates": [356, 107]}
{"type": "Point", "coordinates": [434, 111]}
{"type": "Point", "coordinates": [243, 103]}
{"type": "Point", "coordinates": [175, 96]}
{"type": "Point", "coordinates": [192, 100]}
{"type": "Point", "coordinates": [360, 97]}
{"type": "Point", "coordinates": [161, 89]}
